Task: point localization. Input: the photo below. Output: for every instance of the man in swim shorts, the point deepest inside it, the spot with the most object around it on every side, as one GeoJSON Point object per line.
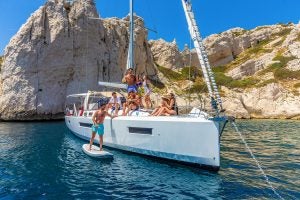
{"type": "Point", "coordinates": [98, 127]}
{"type": "Point", "coordinates": [130, 79]}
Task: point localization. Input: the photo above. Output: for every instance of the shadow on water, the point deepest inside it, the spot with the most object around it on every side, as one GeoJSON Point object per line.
{"type": "Point", "coordinates": [45, 161]}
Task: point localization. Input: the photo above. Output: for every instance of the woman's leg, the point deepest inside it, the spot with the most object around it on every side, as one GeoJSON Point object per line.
{"type": "Point", "coordinates": [161, 111]}
{"type": "Point", "coordinates": [147, 101]}
{"type": "Point", "coordinates": [171, 112]}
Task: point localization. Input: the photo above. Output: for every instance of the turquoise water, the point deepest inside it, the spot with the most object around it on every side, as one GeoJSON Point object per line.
{"type": "Point", "coordinates": [45, 161]}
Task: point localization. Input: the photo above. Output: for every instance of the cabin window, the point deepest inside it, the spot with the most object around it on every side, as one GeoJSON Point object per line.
{"type": "Point", "coordinates": [88, 125]}
{"type": "Point", "coordinates": [139, 130]}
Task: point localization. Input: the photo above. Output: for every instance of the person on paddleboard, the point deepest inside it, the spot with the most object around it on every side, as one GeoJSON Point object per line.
{"type": "Point", "coordinates": [98, 126]}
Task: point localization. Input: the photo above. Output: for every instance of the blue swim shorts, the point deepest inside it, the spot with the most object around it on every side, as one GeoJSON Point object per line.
{"type": "Point", "coordinates": [132, 88]}
{"type": "Point", "coordinates": [99, 129]}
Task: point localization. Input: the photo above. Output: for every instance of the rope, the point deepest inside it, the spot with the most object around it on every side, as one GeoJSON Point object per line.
{"type": "Point", "coordinates": [256, 161]}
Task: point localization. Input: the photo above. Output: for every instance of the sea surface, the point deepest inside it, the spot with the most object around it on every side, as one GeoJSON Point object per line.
{"type": "Point", "coordinates": [44, 160]}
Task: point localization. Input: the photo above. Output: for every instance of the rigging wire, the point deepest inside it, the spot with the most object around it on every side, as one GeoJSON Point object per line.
{"type": "Point", "coordinates": [152, 19]}
{"type": "Point", "coordinates": [86, 44]}
{"type": "Point", "coordinates": [256, 161]}
{"type": "Point", "coordinates": [190, 64]}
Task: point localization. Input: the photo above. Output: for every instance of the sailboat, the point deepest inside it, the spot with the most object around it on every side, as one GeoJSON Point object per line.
{"type": "Point", "coordinates": [192, 139]}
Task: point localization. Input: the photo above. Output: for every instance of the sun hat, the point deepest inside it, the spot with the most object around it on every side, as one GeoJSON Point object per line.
{"type": "Point", "coordinates": [165, 97]}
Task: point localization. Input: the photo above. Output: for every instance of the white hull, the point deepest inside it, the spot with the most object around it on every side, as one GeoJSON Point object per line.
{"type": "Point", "coordinates": [192, 140]}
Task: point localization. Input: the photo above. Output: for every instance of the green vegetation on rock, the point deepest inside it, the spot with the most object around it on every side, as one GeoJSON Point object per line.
{"type": "Point", "coordinates": [1, 61]}
{"type": "Point", "coordinates": [252, 52]}
{"type": "Point", "coordinates": [239, 33]}
{"type": "Point", "coordinates": [298, 37]}
{"type": "Point", "coordinates": [266, 82]}
{"type": "Point", "coordinates": [190, 73]}
{"type": "Point", "coordinates": [283, 32]}
{"type": "Point", "coordinates": [227, 81]}
{"type": "Point", "coordinates": [259, 48]}
{"type": "Point", "coordinates": [297, 85]}
{"type": "Point", "coordinates": [279, 42]}
{"type": "Point", "coordinates": [279, 70]}
{"type": "Point", "coordinates": [170, 74]}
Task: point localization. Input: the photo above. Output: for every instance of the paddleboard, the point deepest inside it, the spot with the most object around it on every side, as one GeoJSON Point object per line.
{"type": "Point", "coordinates": [95, 152]}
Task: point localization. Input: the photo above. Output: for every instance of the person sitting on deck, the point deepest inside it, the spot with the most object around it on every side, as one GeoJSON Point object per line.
{"type": "Point", "coordinates": [147, 92]}
{"type": "Point", "coordinates": [130, 79]}
{"type": "Point", "coordinates": [115, 103]}
{"type": "Point", "coordinates": [169, 108]}
{"type": "Point", "coordinates": [163, 103]}
{"type": "Point", "coordinates": [131, 103]}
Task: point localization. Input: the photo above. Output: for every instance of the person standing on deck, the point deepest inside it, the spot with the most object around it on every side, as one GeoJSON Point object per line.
{"type": "Point", "coordinates": [147, 91]}
{"type": "Point", "coordinates": [98, 127]}
{"type": "Point", "coordinates": [130, 79]}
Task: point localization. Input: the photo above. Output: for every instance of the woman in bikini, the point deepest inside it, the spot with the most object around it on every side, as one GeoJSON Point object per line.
{"type": "Point", "coordinates": [147, 91]}
{"type": "Point", "coordinates": [170, 108]}
{"type": "Point", "coordinates": [164, 103]}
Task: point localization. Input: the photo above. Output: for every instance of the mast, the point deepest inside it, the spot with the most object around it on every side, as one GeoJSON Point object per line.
{"type": "Point", "coordinates": [130, 58]}
{"type": "Point", "coordinates": [202, 56]}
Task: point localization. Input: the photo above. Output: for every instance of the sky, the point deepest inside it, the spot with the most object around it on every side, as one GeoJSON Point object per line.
{"type": "Point", "coordinates": [167, 16]}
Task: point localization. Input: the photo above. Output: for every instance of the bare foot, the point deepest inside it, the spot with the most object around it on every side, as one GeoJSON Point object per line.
{"type": "Point", "coordinates": [101, 149]}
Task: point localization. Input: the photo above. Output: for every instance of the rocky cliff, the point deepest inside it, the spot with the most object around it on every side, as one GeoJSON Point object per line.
{"type": "Point", "coordinates": [258, 70]}
{"type": "Point", "coordinates": [63, 49]}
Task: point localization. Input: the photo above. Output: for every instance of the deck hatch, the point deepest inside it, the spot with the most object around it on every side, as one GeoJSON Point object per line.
{"type": "Point", "coordinates": [88, 125]}
{"type": "Point", "coordinates": [139, 130]}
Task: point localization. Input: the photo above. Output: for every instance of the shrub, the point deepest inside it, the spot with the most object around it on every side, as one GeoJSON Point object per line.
{"type": "Point", "coordinates": [222, 79]}
{"type": "Point", "coordinates": [282, 73]}
{"type": "Point", "coordinates": [284, 60]}
{"type": "Point", "coordinates": [238, 33]}
{"type": "Point", "coordinates": [250, 53]}
{"type": "Point", "coordinates": [193, 71]}
{"type": "Point", "coordinates": [221, 68]}
{"type": "Point", "coordinates": [278, 67]}
{"type": "Point", "coordinates": [298, 37]}
{"type": "Point", "coordinates": [170, 74]}
{"type": "Point", "coordinates": [1, 61]}
{"type": "Point", "coordinates": [297, 85]}
{"type": "Point", "coordinates": [259, 48]}
{"type": "Point", "coordinates": [264, 83]}
{"type": "Point", "coordinates": [157, 84]}
{"type": "Point", "coordinates": [198, 87]}
{"type": "Point", "coordinates": [283, 32]}
{"type": "Point", "coordinates": [244, 83]}
{"type": "Point", "coordinates": [279, 42]}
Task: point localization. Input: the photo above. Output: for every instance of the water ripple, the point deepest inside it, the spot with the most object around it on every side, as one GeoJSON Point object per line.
{"type": "Point", "coordinates": [45, 161]}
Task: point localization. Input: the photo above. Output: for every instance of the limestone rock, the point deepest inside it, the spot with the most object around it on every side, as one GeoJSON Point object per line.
{"type": "Point", "coordinates": [166, 54]}
{"type": "Point", "coordinates": [271, 101]}
{"type": "Point", "coordinates": [190, 57]}
{"type": "Point", "coordinates": [61, 50]}
{"type": "Point", "coordinates": [252, 66]}
{"type": "Point", "coordinates": [294, 65]}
